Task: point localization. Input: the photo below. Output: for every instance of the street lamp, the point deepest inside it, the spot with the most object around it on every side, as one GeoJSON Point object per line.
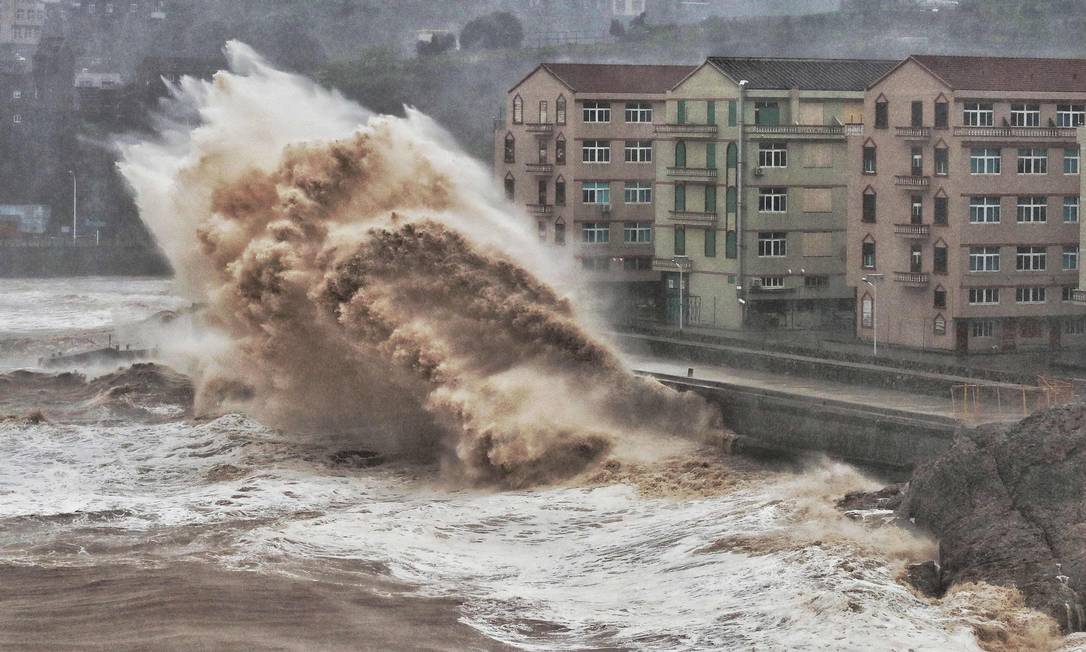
{"type": "Point", "coordinates": [680, 262]}
{"type": "Point", "coordinates": [75, 202]}
{"type": "Point", "coordinates": [873, 280]}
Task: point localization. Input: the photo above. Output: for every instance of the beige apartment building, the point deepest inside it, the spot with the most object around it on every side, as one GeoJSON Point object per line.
{"type": "Point", "coordinates": [21, 21]}
{"type": "Point", "coordinates": [751, 185]}
{"type": "Point", "coordinates": [576, 147]}
{"type": "Point", "coordinates": [964, 204]}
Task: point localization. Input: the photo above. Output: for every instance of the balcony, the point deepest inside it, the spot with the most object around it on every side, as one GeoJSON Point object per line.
{"type": "Point", "coordinates": [855, 129]}
{"type": "Point", "coordinates": [1062, 133]}
{"type": "Point", "coordinates": [669, 265]}
{"type": "Point", "coordinates": [538, 127]}
{"type": "Point", "coordinates": [692, 217]}
{"type": "Point", "coordinates": [692, 173]}
{"type": "Point", "coordinates": [914, 133]}
{"type": "Point", "coordinates": [1078, 296]}
{"type": "Point", "coordinates": [539, 168]}
{"type": "Point", "coordinates": [797, 131]}
{"type": "Point", "coordinates": [922, 183]}
{"type": "Point", "coordinates": [540, 209]}
{"type": "Point", "coordinates": [911, 279]}
{"type": "Point", "coordinates": [917, 231]}
{"type": "Point", "coordinates": [687, 131]}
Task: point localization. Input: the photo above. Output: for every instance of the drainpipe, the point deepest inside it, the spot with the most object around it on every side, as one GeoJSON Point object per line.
{"type": "Point", "coordinates": [739, 194]}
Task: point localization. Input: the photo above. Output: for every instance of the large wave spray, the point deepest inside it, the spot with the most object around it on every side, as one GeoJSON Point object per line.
{"type": "Point", "coordinates": [370, 278]}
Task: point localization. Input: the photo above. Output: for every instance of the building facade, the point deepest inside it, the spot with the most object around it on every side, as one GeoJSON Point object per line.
{"type": "Point", "coordinates": [964, 204]}
{"type": "Point", "coordinates": [576, 147]}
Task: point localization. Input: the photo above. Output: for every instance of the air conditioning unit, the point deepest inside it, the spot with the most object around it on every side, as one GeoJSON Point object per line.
{"type": "Point", "coordinates": [758, 172]}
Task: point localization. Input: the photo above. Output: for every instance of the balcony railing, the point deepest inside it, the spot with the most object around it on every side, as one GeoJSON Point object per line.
{"type": "Point", "coordinates": [797, 130]}
{"type": "Point", "coordinates": [539, 127]}
{"type": "Point", "coordinates": [540, 209]}
{"type": "Point", "coordinates": [913, 230]}
{"type": "Point", "coordinates": [669, 265]}
{"type": "Point", "coordinates": [1078, 296]}
{"type": "Point", "coordinates": [1016, 132]}
{"type": "Point", "coordinates": [539, 168]}
{"type": "Point", "coordinates": [914, 132]}
{"type": "Point", "coordinates": [911, 279]}
{"type": "Point", "coordinates": [703, 131]}
{"type": "Point", "coordinates": [692, 173]}
{"type": "Point", "coordinates": [856, 129]}
{"type": "Point", "coordinates": [692, 217]}
{"type": "Point", "coordinates": [912, 182]}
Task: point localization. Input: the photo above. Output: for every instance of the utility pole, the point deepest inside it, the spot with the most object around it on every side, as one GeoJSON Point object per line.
{"type": "Point", "coordinates": [75, 203]}
{"type": "Point", "coordinates": [873, 280]}
{"type": "Point", "coordinates": [680, 262]}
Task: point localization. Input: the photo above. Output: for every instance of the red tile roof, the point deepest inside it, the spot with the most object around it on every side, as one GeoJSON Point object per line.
{"type": "Point", "coordinates": [618, 78]}
{"type": "Point", "coordinates": [1007, 74]}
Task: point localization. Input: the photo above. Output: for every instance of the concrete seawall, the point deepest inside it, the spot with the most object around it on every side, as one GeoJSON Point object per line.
{"type": "Point", "coordinates": [790, 422]}
{"type": "Point", "coordinates": [69, 260]}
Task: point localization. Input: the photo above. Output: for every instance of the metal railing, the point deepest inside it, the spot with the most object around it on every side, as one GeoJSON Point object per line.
{"type": "Point", "coordinates": [539, 168]}
{"type": "Point", "coordinates": [1016, 132]}
{"type": "Point", "coordinates": [701, 130]}
{"type": "Point", "coordinates": [913, 279]}
{"type": "Point", "coordinates": [539, 127]}
{"type": "Point", "coordinates": [692, 216]}
{"type": "Point", "coordinates": [913, 230]}
{"type": "Point", "coordinates": [983, 401]}
{"type": "Point", "coordinates": [693, 173]}
{"type": "Point", "coordinates": [914, 132]}
{"type": "Point", "coordinates": [798, 130]}
{"type": "Point", "coordinates": [912, 181]}
{"type": "Point", "coordinates": [540, 209]}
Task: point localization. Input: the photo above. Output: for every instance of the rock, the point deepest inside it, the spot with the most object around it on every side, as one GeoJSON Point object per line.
{"type": "Point", "coordinates": [356, 458]}
{"type": "Point", "coordinates": [1006, 504]}
{"type": "Point", "coordinates": [926, 578]}
{"type": "Point", "coordinates": [888, 497]}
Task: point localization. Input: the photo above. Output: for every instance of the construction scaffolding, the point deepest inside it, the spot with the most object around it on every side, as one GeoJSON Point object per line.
{"type": "Point", "coordinates": [994, 401]}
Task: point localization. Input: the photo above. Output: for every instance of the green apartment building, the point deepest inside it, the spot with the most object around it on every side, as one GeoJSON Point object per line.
{"type": "Point", "coordinates": [751, 183]}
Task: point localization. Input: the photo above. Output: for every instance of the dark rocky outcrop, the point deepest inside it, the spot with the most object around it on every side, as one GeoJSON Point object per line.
{"type": "Point", "coordinates": [1008, 505]}
{"type": "Point", "coordinates": [889, 497]}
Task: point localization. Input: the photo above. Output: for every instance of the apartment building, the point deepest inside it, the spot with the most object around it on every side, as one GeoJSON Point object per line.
{"type": "Point", "coordinates": [964, 204]}
{"type": "Point", "coordinates": [752, 191]}
{"type": "Point", "coordinates": [576, 146]}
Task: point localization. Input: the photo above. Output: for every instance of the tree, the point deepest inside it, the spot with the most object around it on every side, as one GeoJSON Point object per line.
{"type": "Point", "coordinates": [438, 44]}
{"type": "Point", "coordinates": [617, 29]}
{"type": "Point", "coordinates": [493, 31]}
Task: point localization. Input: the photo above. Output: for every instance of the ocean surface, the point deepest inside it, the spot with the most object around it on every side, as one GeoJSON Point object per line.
{"type": "Point", "coordinates": [128, 523]}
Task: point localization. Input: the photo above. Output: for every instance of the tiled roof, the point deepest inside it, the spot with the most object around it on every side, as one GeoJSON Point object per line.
{"type": "Point", "coordinates": [803, 74]}
{"type": "Point", "coordinates": [618, 78]}
{"type": "Point", "coordinates": [1007, 74]}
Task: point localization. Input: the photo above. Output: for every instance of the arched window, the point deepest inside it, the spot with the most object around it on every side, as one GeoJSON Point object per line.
{"type": "Point", "coordinates": [939, 258]}
{"type": "Point", "coordinates": [938, 298]}
{"type": "Point", "coordinates": [882, 113]}
{"type": "Point", "coordinates": [560, 150]}
{"type": "Point", "coordinates": [680, 154]}
{"type": "Point", "coordinates": [510, 148]}
{"type": "Point", "coordinates": [942, 112]}
{"type": "Point", "coordinates": [870, 162]}
{"type": "Point", "coordinates": [733, 156]}
{"type": "Point", "coordinates": [518, 110]}
{"type": "Point", "coordinates": [510, 186]}
{"type": "Point", "coordinates": [560, 110]}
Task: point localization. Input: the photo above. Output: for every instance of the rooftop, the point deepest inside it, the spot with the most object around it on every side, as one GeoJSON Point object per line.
{"type": "Point", "coordinates": [767, 73]}
{"type": "Point", "coordinates": [618, 78]}
{"type": "Point", "coordinates": [1007, 74]}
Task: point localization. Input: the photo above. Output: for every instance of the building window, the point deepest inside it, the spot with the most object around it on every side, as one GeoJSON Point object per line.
{"type": "Point", "coordinates": [1032, 209]}
{"type": "Point", "coordinates": [731, 245]}
{"type": "Point", "coordinates": [680, 111]}
{"type": "Point", "coordinates": [510, 148]}
{"type": "Point", "coordinates": [870, 161]}
{"type": "Point", "coordinates": [1070, 115]}
{"type": "Point", "coordinates": [1070, 210]}
{"type": "Point", "coordinates": [541, 227]}
{"type": "Point", "coordinates": [680, 240]}
{"type": "Point", "coordinates": [916, 258]}
{"type": "Point", "coordinates": [984, 210]}
{"type": "Point", "coordinates": [560, 150]}
{"type": "Point", "coordinates": [710, 156]}
{"type": "Point", "coordinates": [596, 151]}
{"type": "Point", "coordinates": [510, 187]}
{"type": "Point", "coordinates": [560, 110]}
{"type": "Point", "coordinates": [772, 282]}
{"type": "Point", "coordinates": [560, 232]}
{"type": "Point", "coordinates": [942, 114]}
{"type": "Point", "coordinates": [595, 192]}
{"type": "Point", "coordinates": [1032, 160]}
{"type": "Point", "coordinates": [1031, 259]}
{"type": "Point", "coordinates": [773, 200]}
{"type": "Point", "coordinates": [978, 114]}
{"type": "Point", "coordinates": [639, 151]}
{"type": "Point", "coordinates": [1075, 326]}
{"type": "Point", "coordinates": [985, 328]}
{"type": "Point", "coordinates": [1070, 257]}
{"type": "Point", "coordinates": [773, 155]}
{"type": "Point", "coordinates": [544, 116]}
{"type": "Point", "coordinates": [710, 199]}
{"type": "Point", "coordinates": [542, 192]}
{"type": "Point", "coordinates": [772, 244]}
{"type": "Point", "coordinates": [984, 160]}
{"type": "Point", "coordinates": [917, 168]}
{"type": "Point", "coordinates": [680, 198]}
{"type": "Point", "coordinates": [710, 242]}
{"type": "Point", "coordinates": [941, 211]}
{"type": "Point", "coordinates": [917, 211]}
{"type": "Point", "coordinates": [637, 192]}
{"type": "Point", "coordinates": [16, 94]}
{"type": "Point", "coordinates": [867, 311]}
{"type": "Point", "coordinates": [1067, 293]}
{"type": "Point", "coordinates": [17, 119]}
{"type": "Point", "coordinates": [816, 282]}
{"type": "Point", "coordinates": [1029, 295]}
{"type": "Point", "coordinates": [870, 206]}
{"type": "Point", "coordinates": [917, 114]}
{"type": "Point", "coordinates": [680, 154]}
{"type": "Point", "coordinates": [939, 325]}
{"type": "Point", "coordinates": [542, 151]}
{"type": "Point", "coordinates": [882, 114]}
{"type": "Point", "coordinates": [1070, 160]}
{"type": "Point", "coordinates": [596, 112]}
{"type": "Point", "coordinates": [595, 233]}
{"type": "Point", "coordinates": [518, 110]}
{"type": "Point", "coordinates": [942, 161]}
{"type": "Point", "coordinates": [1025, 115]}
{"type": "Point", "coordinates": [983, 296]}
{"type": "Point", "coordinates": [867, 255]}
{"type": "Point", "coordinates": [984, 259]}
{"type": "Point", "coordinates": [637, 232]}
{"type": "Point", "coordinates": [939, 260]}
{"type": "Point", "coordinates": [767, 114]}
{"type": "Point", "coordinates": [637, 112]}
{"type": "Point", "coordinates": [939, 298]}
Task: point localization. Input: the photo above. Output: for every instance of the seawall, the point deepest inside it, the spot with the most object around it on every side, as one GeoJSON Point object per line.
{"type": "Point", "coordinates": [81, 260]}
